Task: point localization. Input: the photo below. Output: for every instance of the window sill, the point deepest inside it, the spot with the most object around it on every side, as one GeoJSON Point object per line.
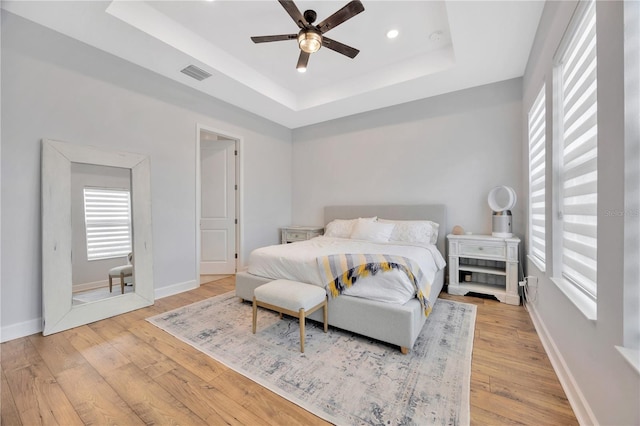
{"type": "Point", "coordinates": [585, 305]}
{"type": "Point", "coordinates": [537, 263]}
{"type": "Point", "coordinates": [632, 356]}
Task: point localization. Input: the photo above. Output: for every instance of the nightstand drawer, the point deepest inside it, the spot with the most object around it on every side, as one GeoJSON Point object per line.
{"type": "Point", "coordinates": [292, 234]}
{"type": "Point", "coordinates": [488, 250]}
{"type": "Point", "coordinates": [296, 235]}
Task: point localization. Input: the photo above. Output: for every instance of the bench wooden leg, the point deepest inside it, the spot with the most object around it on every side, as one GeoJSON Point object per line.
{"type": "Point", "coordinates": [404, 350]}
{"type": "Point", "coordinates": [302, 321]}
{"type": "Point", "coordinates": [255, 314]}
{"type": "Point", "coordinates": [326, 315]}
{"type": "Point", "coordinates": [122, 282]}
{"type": "Point", "coordinates": [110, 284]}
{"type": "Point", "coordinates": [301, 314]}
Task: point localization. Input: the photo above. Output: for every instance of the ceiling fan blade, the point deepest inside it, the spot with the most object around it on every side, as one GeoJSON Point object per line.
{"type": "Point", "coordinates": [336, 46]}
{"type": "Point", "coordinates": [350, 10]}
{"type": "Point", "coordinates": [265, 39]}
{"type": "Point", "coordinates": [294, 12]}
{"type": "Point", "coordinates": [303, 60]}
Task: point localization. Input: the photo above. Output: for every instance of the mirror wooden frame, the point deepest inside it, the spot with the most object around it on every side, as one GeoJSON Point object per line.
{"type": "Point", "coordinates": [58, 312]}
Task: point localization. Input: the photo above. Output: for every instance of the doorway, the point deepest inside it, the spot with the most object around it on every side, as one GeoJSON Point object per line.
{"type": "Point", "coordinates": [217, 202]}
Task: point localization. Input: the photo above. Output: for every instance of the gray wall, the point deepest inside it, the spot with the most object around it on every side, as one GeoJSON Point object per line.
{"type": "Point", "coordinates": [603, 387]}
{"type": "Point", "coordinates": [451, 149]}
{"type": "Point", "coordinates": [58, 88]}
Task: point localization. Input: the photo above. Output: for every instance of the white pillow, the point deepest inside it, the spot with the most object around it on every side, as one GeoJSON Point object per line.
{"type": "Point", "coordinates": [342, 228]}
{"type": "Point", "coordinates": [413, 231]}
{"type": "Point", "coordinates": [372, 231]}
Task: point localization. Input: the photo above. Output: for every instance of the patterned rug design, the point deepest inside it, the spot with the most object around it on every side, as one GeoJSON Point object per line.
{"type": "Point", "coordinates": [343, 378]}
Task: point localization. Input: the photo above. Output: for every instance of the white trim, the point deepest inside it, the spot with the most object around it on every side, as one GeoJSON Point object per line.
{"type": "Point", "coordinates": [1, 330]}
{"type": "Point", "coordinates": [21, 329]}
{"type": "Point", "coordinates": [89, 286]}
{"type": "Point", "coordinates": [578, 402]}
{"type": "Point", "coordinates": [584, 303]}
{"type": "Point", "coordinates": [172, 289]}
{"type": "Point", "coordinates": [34, 326]}
{"type": "Point", "coordinates": [632, 356]}
{"type": "Point", "coordinates": [239, 141]}
{"type": "Point", "coordinates": [631, 286]}
{"type": "Point", "coordinates": [537, 262]}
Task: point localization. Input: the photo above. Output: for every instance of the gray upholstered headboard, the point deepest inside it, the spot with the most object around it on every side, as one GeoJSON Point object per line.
{"type": "Point", "coordinates": [433, 212]}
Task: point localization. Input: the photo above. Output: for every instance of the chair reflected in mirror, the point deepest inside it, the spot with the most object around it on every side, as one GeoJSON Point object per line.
{"type": "Point", "coordinates": [121, 272]}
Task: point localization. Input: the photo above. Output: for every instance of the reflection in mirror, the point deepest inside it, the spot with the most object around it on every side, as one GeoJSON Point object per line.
{"type": "Point", "coordinates": [101, 232]}
{"type": "Point", "coordinates": [92, 249]}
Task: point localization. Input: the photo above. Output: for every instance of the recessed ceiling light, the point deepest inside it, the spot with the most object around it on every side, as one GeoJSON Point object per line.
{"type": "Point", "coordinates": [301, 70]}
{"type": "Point", "coordinates": [392, 34]}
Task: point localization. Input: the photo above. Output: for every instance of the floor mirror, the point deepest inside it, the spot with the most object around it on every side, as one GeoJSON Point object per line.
{"type": "Point", "coordinates": [97, 252]}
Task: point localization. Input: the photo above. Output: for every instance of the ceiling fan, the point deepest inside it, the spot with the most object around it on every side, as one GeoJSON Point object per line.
{"type": "Point", "coordinates": [311, 37]}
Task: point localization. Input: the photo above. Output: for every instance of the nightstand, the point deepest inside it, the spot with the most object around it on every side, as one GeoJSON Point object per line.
{"type": "Point", "coordinates": [291, 234]}
{"type": "Point", "coordinates": [484, 264]}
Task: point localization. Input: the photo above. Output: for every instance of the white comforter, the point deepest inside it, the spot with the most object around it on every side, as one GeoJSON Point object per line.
{"type": "Point", "coordinates": [297, 262]}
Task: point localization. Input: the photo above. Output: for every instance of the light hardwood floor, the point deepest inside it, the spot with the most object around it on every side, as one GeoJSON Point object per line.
{"type": "Point", "coordinates": [123, 370]}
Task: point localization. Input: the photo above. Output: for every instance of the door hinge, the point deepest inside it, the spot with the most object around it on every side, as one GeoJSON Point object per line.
{"type": "Point", "coordinates": [236, 187]}
{"type": "Point", "coordinates": [236, 255]}
{"type": "Point", "coordinates": [236, 221]}
{"type": "Point", "coordinates": [235, 152]}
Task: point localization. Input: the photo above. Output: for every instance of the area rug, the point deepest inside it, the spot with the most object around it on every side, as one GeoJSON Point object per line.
{"type": "Point", "coordinates": [342, 377]}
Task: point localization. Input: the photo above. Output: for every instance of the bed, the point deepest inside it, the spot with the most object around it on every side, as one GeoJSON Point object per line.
{"type": "Point", "coordinates": [398, 323]}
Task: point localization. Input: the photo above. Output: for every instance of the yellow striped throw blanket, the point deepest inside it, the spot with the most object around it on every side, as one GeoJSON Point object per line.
{"type": "Point", "coordinates": [341, 271]}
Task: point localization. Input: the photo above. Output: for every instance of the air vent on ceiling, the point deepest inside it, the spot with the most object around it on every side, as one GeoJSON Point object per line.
{"type": "Point", "coordinates": [195, 72]}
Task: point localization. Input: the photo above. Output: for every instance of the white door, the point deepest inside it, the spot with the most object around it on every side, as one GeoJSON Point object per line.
{"type": "Point", "coordinates": [218, 207]}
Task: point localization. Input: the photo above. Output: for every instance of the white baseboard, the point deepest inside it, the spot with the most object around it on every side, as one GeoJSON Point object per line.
{"type": "Point", "coordinates": [21, 329]}
{"type": "Point", "coordinates": [176, 288]}
{"type": "Point", "coordinates": [579, 404]}
{"type": "Point", "coordinates": [90, 286]}
{"type": "Point", "coordinates": [26, 328]}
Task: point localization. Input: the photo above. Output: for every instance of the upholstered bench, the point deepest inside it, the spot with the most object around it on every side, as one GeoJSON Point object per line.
{"type": "Point", "coordinates": [291, 298]}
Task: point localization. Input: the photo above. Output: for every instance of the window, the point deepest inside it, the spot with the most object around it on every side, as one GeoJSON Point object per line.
{"type": "Point", "coordinates": [631, 291]}
{"type": "Point", "coordinates": [576, 144]}
{"type": "Point", "coordinates": [537, 170]}
{"type": "Point", "coordinates": [107, 216]}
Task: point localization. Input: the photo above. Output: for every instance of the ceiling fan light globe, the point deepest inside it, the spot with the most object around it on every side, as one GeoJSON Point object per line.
{"type": "Point", "coordinates": [309, 41]}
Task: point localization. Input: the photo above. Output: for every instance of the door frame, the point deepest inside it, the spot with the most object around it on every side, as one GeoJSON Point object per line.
{"type": "Point", "coordinates": [239, 202]}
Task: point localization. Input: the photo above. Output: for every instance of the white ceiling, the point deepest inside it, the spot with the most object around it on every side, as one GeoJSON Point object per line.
{"type": "Point", "coordinates": [480, 42]}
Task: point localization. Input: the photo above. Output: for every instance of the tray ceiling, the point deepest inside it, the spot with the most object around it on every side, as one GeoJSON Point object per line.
{"type": "Point", "coordinates": [442, 46]}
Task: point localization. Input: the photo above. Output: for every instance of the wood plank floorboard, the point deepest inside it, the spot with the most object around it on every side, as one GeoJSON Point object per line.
{"type": "Point", "coordinates": [123, 370]}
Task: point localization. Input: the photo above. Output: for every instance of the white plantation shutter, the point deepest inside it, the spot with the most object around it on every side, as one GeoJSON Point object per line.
{"type": "Point", "coordinates": [537, 169]}
{"type": "Point", "coordinates": [579, 155]}
{"type": "Point", "coordinates": [107, 214]}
